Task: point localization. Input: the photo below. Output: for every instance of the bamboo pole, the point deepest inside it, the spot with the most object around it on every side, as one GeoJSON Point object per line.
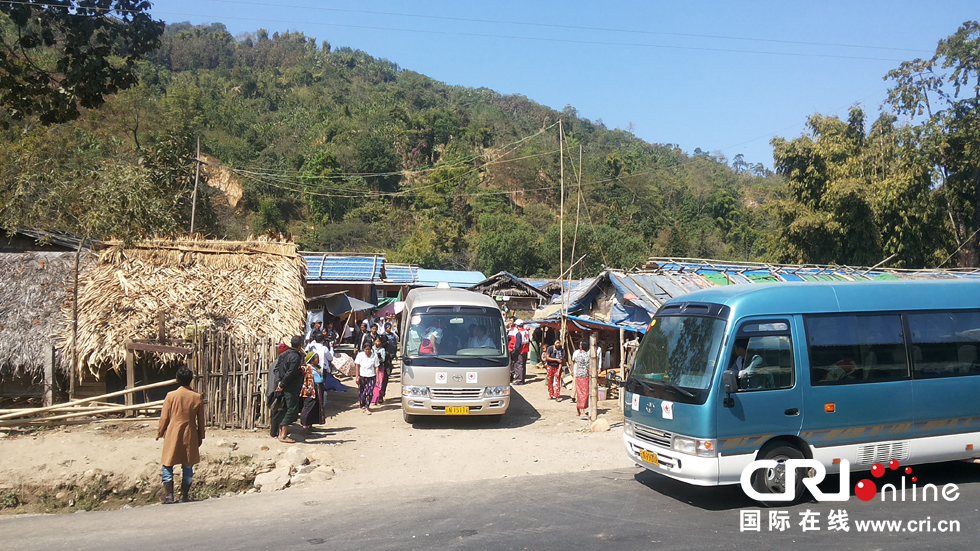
{"type": "Point", "coordinates": [622, 367]}
{"type": "Point", "coordinates": [28, 411]}
{"type": "Point", "coordinates": [152, 405]}
{"type": "Point", "coordinates": [593, 378]}
{"type": "Point", "coordinates": [92, 399]}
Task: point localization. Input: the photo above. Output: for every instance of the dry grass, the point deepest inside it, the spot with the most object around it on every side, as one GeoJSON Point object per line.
{"type": "Point", "coordinates": [245, 288]}
{"type": "Point", "coordinates": [33, 288]}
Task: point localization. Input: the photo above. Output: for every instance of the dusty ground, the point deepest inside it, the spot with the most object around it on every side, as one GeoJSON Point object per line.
{"type": "Point", "coordinates": [113, 464]}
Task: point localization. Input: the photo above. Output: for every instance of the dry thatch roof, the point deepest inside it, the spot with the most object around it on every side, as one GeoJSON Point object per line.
{"type": "Point", "coordinates": [245, 288]}
{"type": "Point", "coordinates": [506, 284]}
{"type": "Point", "coordinates": [33, 288]}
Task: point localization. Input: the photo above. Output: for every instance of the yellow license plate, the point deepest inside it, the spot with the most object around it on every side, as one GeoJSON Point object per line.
{"type": "Point", "coordinates": [458, 410]}
{"type": "Point", "coordinates": [649, 457]}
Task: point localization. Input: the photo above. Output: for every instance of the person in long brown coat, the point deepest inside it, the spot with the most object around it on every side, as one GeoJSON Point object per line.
{"type": "Point", "coordinates": [182, 429]}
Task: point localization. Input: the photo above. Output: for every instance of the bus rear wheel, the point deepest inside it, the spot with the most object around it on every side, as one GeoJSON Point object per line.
{"type": "Point", "coordinates": [773, 480]}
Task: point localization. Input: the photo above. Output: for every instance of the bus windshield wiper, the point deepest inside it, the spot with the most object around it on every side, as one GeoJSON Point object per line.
{"type": "Point", "coordinates": [682, 390]}
{"type": "Point", "coordinates": [650, 387]}
{"type": "Point", "coordinates": [645, 384]}
{"type": "Point", "coordinates": [450, 360]}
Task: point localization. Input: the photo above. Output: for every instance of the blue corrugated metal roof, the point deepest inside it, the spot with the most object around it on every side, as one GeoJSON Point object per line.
{"type": "Point", "coordinates": [539, 283]}
{"type": "Point", "coordinates": [455, 278]}
{"type": "Point", "coordinates": [401, 273]}
{"type": "Point", "coordinates": [343, 268]}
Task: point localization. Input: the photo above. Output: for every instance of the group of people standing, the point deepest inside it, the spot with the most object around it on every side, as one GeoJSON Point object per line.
{"type": "Point", "coordinates": [374, 364]}
{"type": "Point", "coordinates": [555, 360]}
{"type": "Point", "coordinates": [303, 373]}
{"type": "Point", "coordinates": [518, 346]}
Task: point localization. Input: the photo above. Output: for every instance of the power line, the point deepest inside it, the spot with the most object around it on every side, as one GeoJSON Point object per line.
{"type": "Point", "coordinates": [533, 38]}
{"type": "Point", "coordinates": [572, 27]}
{"type": "Point", "coordinates": [521, 23]}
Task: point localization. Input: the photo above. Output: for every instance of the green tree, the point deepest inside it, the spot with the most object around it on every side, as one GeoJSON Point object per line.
{"type": "Point", "coordinates": [507, 244]}
{"type": "Point", "coordinates": [58, 56]}
{"type": "Point", "coordinates": [945, 90]}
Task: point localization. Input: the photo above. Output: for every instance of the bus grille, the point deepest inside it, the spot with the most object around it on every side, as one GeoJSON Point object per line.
{"type": "Point", "coordinates": [456, 393]}
{"type": "Point", "coordinates": [653, 436]}
{"type": "Point", "coordinates": [881, 453]}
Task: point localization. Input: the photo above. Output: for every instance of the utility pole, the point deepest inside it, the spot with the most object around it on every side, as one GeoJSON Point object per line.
{"type": "Point", "coordinates": [561, 227]}
{"type": "Point", "coordinates": [197, 173]}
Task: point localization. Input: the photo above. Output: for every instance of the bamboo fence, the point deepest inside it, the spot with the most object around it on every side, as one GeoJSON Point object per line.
{"type": "Point", "coordinates": [232, 374]}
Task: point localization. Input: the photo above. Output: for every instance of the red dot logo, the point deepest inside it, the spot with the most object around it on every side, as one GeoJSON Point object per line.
{"type": "Point", "coordinates": [908, 470]}
{"type": "Point", "coordinates": [865, 490]}
{"type": "Point", "coordinates": [914, 479]}
{"type": "Point", "coordinates": [893, 464]}
{"type": "Point", "coordinates": [877, 470]}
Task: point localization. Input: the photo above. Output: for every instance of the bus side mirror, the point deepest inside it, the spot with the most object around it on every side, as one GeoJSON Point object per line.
{"type": "Point", "coordinates": [730, 380]}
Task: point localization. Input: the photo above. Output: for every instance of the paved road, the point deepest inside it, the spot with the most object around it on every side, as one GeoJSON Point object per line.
{"type": "Point", "coordinates": [603, 509]}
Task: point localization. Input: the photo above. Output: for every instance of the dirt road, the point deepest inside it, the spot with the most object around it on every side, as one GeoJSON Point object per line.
{"type": "Point", "coordinates": [115, 464]}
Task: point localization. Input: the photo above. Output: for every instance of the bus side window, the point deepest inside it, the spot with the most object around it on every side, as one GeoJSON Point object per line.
{"type": "Point", "coordinates": [945, 344]}
{"type": "Point", "coordinates": [848, 349]}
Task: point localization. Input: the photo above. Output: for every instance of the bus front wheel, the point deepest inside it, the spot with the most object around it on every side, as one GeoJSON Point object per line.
{"type": "Point", "coordinates": [773, 480]}
{"type": "Point", "coordinates": [408, 417]}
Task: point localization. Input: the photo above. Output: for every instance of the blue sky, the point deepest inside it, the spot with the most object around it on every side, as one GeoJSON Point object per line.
{"type": "Point", "coordinates": [720, 76]}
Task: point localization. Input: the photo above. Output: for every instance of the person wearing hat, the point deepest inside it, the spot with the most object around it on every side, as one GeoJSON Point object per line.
{"type": "Point", "coordinates": [312, 392]}
{"type": "Point", "coordinates": [518, 344]}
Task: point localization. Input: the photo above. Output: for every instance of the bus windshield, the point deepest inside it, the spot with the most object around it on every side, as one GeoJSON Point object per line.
{"type": "Point", "coordinates": [456, 332]}
{"type": "Point", "coordinates": [679, 351]}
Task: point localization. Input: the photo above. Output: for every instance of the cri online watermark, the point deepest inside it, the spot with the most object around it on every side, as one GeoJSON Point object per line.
{"type": "Point", "coordinates": [865, 489]}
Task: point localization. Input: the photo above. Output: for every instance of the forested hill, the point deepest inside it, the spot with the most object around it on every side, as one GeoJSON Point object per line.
{"type": "Point", "coordinates": [351, 153]}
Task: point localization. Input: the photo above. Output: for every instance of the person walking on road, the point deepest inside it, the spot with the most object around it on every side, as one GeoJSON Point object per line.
{"type": "Point", "coordinates": [518, 344]}
{"type": "Point", "coordinates": [580, 370]}
{"type": "Point", "coordinates": [290, 385]}
{"type": "Point", "coordinates": [312, 392]}
{"type": "Point", "coordinates": [182, 429]}
{"type": "Point", "coordinates": [367, 369]}
{"type": "Point", "coordinates": [275, 373]}
{"type": "Point", "coordinates": [554, 361]}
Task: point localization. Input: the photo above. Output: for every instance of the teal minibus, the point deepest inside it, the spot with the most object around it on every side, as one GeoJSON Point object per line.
{"type": "Point", "coordinates": [864, 372]}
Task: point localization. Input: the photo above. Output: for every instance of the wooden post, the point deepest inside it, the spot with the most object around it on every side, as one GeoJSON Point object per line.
{"type": "Point", "coordinates": [130, 376]}
{"type": "Point", "coordinates": [197, 172]}
{"type": "Point", "coordinates": [593, 378]}
{"type": "Point", "coordinates": [49, 377]}
{"type": "Point", "coordinates": [161, 327]}
{"type": "Point", "coordinates": [622, 366]}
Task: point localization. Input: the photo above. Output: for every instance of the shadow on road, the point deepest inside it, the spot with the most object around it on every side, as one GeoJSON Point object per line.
{"type": "Point", "coordinates": [709, 498]}
{"type": "Point", "coordinates": [520, 414]}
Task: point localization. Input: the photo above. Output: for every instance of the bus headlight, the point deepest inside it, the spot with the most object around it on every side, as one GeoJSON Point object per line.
{"type": "Point", "coordinates": [694, 446]}
{"type": "Point", "coordinates": [496, 391]}
{"type": "Point", "coordinates": [628, 427]}
{"type": "Point", "coordinates": [415, 391]}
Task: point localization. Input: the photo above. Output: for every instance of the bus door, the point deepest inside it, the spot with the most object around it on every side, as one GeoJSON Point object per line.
{"type": "Point", "coordinates": [859, 397]}
{"type": "Point", "coordinates": [768, 402]}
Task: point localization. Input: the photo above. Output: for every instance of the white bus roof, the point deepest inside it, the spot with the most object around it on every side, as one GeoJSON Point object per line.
{"type": "Point", "coordinates": [431, 296]}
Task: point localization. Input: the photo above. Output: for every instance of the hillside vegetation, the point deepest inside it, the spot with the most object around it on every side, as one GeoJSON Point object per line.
{"type": "Point", "coordinates": [347, 152]}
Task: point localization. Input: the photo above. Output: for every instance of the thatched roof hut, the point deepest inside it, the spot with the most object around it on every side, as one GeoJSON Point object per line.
{"type": "Point", "coordinates": [33, 288]}
{"type": "Point", "coordinates": [244, 288]}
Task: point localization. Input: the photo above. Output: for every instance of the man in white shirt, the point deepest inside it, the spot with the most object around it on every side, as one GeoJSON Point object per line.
{"type": "Point", "coordinates": [322, 350]}
{"type": "Point", "coordinates": [480, 339]}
